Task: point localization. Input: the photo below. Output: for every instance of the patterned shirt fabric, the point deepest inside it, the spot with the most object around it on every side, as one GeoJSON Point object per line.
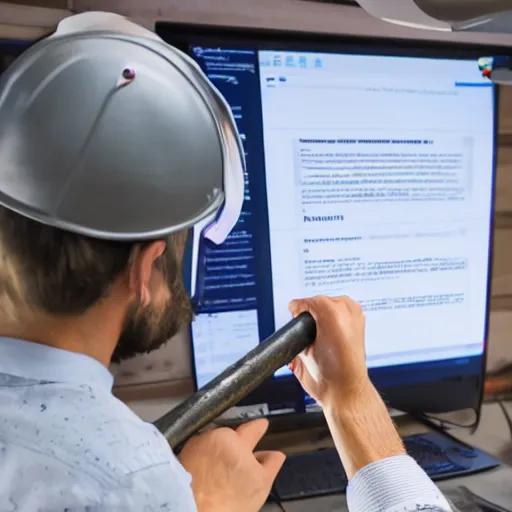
{"type": "Point", "coordinates": [396, 484]}
{"type": "Point", "coordinates": [67, 444]}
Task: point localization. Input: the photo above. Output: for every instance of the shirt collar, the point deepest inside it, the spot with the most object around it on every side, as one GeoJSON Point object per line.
{"type": "Point", "coordinates": [40, 362]}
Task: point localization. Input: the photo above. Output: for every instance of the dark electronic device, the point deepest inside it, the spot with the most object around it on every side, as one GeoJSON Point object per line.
{"type": "Point", "coordinates": [319, 473]}
{"type": "Point", "coordinates": [435, 287]}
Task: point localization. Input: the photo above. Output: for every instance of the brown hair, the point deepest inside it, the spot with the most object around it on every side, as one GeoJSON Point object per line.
{"type": "Point", "coordinates": [52, 270]}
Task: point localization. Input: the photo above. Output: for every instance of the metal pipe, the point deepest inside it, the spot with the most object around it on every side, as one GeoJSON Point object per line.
{"type": "Point", "coordinates": [237, 381]}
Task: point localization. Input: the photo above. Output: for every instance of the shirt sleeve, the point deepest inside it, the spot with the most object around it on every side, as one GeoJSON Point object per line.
{"type": "Point", "coordinates": [395, 484]}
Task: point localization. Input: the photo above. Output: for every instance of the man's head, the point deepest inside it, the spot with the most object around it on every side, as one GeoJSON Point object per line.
{"type": "Point", "coordinates": [109, 153]}
{"type": "Point", "coordinates": [48, 272]}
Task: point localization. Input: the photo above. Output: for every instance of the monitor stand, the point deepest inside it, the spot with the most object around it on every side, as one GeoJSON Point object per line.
{"type": "Point", "coordinates": [283, 419]}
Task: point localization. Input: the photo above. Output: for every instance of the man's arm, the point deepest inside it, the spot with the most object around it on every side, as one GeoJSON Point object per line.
{"type": "Point", "coordinates": [382, 477]}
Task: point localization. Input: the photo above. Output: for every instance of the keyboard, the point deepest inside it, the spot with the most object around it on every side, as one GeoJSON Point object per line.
{"type": "Point", "coordinates": [320, 473]}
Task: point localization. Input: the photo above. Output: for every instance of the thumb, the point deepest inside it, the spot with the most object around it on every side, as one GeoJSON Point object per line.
{"type": "Point", "coordinates": [272, 462]}
{"type": "Point", "coordinates": [251, 433]}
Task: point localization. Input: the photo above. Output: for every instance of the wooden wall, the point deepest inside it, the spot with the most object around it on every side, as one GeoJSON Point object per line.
{"type": "Point", "coordinates": [52, 4]}
{"type": "Point", "coordinates": [26, 23]}
{"type": "Point", "coordinates": [500, 338]}
{"type": "Point", "coordinates": [502, 252]}
{"type": "Point", "coordinates": [300, 15]}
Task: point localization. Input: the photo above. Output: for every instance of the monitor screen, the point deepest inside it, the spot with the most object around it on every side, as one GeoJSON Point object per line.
{"type": "Point", "coordinates": [369, 174]}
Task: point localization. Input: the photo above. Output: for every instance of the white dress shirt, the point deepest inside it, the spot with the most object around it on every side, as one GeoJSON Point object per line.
{"type": "Point", "coordinates": [396, 484]}
{"type": "Point", "coordinates": [68, 445]}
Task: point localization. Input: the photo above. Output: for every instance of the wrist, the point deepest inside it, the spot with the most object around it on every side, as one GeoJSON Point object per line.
{"type": "Point", "coordinates": [362, 429]}
{"type": "Point", "coordinates": [344, 400]}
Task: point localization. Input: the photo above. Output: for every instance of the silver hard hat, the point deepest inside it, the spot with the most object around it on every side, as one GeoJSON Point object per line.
{"type": "Point", "coordinates": [107, 131]}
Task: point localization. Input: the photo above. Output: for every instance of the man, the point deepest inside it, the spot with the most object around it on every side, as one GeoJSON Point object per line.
{"type": "Point", "coordinates": [72, 303]}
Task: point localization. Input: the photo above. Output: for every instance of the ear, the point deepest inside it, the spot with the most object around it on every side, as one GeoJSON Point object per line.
{"type": "Point", "coordinates": [142, 268]}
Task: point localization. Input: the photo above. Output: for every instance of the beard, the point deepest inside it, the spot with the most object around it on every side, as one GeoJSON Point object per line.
{"type": "Point", "coordinates": [147, 328]}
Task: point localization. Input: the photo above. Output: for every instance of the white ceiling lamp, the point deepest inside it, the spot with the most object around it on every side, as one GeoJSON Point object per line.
{"type": "Point", "coordinates": [491, 16]}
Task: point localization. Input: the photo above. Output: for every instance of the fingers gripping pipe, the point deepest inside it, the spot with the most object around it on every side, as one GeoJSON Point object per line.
{"type": "Point", "coordinates": [237, 381]}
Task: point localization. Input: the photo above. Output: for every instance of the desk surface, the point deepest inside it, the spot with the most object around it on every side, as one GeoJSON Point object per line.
{"type": "Point", "coordinates": [492, 436]}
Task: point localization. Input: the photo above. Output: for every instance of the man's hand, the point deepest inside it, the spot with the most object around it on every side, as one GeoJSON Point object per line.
{"type": "Point", "coordinates": [227, 475]}
{"type": "Point", "coordinates": [333, 371]}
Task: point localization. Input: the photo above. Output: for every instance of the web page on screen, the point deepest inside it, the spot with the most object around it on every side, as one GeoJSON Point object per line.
{"type": "Point", "coordinates": [379, 186]}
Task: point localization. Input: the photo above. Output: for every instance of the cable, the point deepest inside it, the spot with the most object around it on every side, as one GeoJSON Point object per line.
{"type": "Point", "coordinates": [506, 414]}
{"type": "Point", "coordinates": [274, 499]}
{"type": "Point", "coordinates": [441, 425]}
{"type": "Point", "coordinates": [441, 428]}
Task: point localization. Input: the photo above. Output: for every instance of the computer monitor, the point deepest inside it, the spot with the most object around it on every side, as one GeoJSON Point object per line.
{"type": "Point", "coordinates": [370, 173]}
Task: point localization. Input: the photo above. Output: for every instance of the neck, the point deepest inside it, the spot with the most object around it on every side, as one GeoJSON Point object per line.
{"type": "Point", "coordinates": [95, 333]}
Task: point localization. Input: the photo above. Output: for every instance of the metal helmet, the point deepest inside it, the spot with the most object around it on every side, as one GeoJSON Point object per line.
{"type": "Point", "coordinates": [107, 131]}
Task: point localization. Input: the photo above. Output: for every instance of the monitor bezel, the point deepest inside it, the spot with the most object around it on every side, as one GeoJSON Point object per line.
{"type": "Point", "coordinates": [457, 393]}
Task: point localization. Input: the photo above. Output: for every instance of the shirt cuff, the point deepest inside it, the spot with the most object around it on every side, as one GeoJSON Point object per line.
{"type": "Point", "coordinates": [395, 484]}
